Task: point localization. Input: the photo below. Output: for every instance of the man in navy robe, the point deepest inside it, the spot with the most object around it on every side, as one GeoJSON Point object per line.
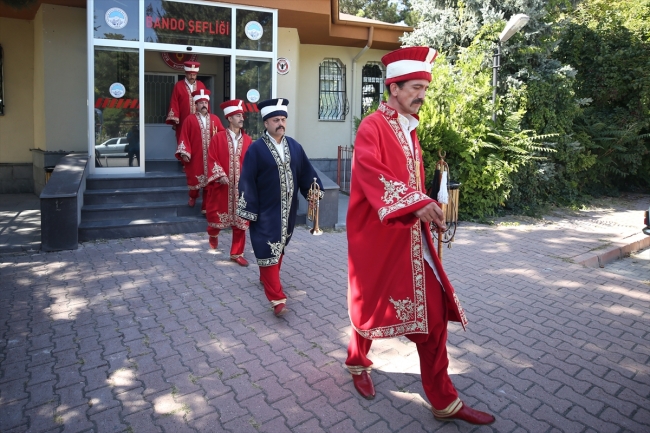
{"type": "Point", "coordinates": [274, 170]}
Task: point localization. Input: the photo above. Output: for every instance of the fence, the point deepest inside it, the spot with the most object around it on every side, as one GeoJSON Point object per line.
{"type": "Point", "coordinates": [344, 169]}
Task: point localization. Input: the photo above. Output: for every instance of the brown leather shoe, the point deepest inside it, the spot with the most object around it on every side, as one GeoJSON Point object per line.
{"type": "Point", "coordinates": [280, 310]}
{"type": "Point", "coordinates": [241, 261]}
{"type": "Point", "coordinates": [191, 202]}
{"type": "Point", "coordinates": [469, 415]}
{"type": "Point", "coordinates": [214, 242]}
{"type": "Point", "coordinates": [363, 384]}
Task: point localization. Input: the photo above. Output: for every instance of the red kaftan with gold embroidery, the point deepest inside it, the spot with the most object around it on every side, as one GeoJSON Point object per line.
{"type": "Point", "coordinates": [387, 290]}
{"type": "Point", "coordinates": [223, 160]}
{"type": "Point", "coordinates": [181, 104]}
{"type": "Point", "coordinates": [194, 143]}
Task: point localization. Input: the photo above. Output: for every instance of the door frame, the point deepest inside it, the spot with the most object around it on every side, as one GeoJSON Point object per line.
{"type": "Point", "coordinates": [143, 46]}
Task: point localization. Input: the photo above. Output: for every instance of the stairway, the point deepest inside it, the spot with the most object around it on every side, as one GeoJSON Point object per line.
{"type": "Point", "coordinates": [149, 204]}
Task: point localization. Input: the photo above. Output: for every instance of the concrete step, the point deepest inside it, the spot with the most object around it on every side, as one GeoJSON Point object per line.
{"type": "Point", "coordinates": [146, 180]}
{"type": "Point", "coordinates": [135, 195]}
{"type": "Point", "coordinates": [139, 210]}
{"type": "Point", "coordinates": [127, 228]}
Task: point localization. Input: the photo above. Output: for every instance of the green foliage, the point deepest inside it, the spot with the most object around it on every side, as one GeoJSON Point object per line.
{"type": "Point", "coordinates": [577, 72]}
{"type": "Point", "coordinates": [388, 11]}
{"type": "Point", "coordinates": [18, 4]}
{"type": "Point", "coordinates": [612, 63]}
{"type": "Point", "coordinates": [456, 118]}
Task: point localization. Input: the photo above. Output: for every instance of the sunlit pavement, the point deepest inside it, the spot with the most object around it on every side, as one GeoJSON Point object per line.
{"type": "Point", "coordinates": [163, 335]}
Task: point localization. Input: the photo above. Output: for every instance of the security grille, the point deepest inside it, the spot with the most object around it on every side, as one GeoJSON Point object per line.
{"type": "Point", "coordinates": [157, 94]}
{"type": "Point", "coordinates": [372, 86]}
{"type": "Point", "coordinates": [333, 104]}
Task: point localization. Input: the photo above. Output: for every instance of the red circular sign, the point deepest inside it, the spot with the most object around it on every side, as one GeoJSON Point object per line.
{"type": "Point", "coordinates": [176, 60]}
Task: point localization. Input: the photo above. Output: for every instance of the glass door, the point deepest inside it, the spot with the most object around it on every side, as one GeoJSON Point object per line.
{"type": "Point", "coordinates": [117, 107]}
{"type": "Point", "coordinates": [253, 84]}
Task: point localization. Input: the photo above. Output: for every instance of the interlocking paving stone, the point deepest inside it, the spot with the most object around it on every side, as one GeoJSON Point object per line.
{"type": "Point", "coordinates": [163, 334]}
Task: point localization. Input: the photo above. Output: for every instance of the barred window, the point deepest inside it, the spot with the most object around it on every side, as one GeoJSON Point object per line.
{"type": "Point", "coordinates": [372, 86]}
{"type": "Point", "coordinates": [331, 90]}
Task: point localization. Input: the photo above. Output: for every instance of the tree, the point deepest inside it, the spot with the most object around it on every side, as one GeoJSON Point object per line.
{"type": "Point", "coordinates": [18, 4]}
{"type": "Point", "coordinates": [388, 11]}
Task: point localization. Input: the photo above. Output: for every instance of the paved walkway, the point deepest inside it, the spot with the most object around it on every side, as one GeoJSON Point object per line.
{"type": "Point", "coordinates": [163, 335]}
{"type": "Point", "coordinates": [20, 223]}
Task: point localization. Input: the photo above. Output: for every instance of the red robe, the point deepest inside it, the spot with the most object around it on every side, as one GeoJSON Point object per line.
{"type": "Point", "coordinates": [181, 104]}
{"type": "Point", "coordinates": [194, 143]}
{"type": "Point", "coordinates": [222, 199]}
{"type": "Point", "coordinates": [387, 290]}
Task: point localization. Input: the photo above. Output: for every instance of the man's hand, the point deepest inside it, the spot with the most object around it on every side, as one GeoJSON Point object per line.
{"type": "Point", "coordinates": [223, 180]}
{"type": "Point", "coordinates": [174, 127]}
{"type": "Point", "coordinates": [185, 158]}
{"type": "Point", "coordinates": [432, 213]}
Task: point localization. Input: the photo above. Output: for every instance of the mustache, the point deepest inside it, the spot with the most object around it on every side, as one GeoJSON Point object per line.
{"type": "Point", "coordinates": [417, 101]}
{"type": "Point", "coordinates": [279, 128]}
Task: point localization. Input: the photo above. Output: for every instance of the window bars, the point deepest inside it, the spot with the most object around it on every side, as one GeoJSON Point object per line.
{"type": "Point", "coordinates": [333, 104]}
{"type": "Point", "coordinates": [372, 86]}
{"type": "Point", "coordinates": [157, 93]}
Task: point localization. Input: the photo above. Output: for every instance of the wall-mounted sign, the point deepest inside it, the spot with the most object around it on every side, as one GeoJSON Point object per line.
{"type": "Point", "coordinates": [116, 18]}
{"type": "Point", "coordinates": [175, 22]}
{"type": "Point", "coordinates": [191, 26]}
{"type": "Point", "coordinates": [254, 30]}
{"type": "Point", "coordinates": [283, 66]}
{"type": "Point", "coordinates": [176, 60]}
{"type": "Point", "coordinates": [117, 90]}
{"type": "Point", "coordinates": [253, 95]}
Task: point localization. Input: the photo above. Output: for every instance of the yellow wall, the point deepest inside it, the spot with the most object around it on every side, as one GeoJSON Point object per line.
{"type": "Point", "coordinates": [322, 138]}
{"type": "Point", "coordinates": [60, 83]}
{"type": "Point", "coordinates": [17, 125]}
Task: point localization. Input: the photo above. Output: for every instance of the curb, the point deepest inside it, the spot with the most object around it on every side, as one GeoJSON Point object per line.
{"type": "Point", "coordinates": [623, 249]}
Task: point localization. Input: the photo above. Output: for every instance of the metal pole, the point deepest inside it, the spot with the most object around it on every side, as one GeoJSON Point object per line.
{"type": "Point", "coordinates": [496, 63]}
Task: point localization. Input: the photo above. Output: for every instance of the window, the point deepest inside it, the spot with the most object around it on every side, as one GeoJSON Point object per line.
{"type": "Point", "coordinates": [372, 86]}
{"type": "Point", "coordinates": [331, 90]}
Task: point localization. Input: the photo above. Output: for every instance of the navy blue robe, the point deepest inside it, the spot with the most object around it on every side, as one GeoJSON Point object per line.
{"type": "Point", "coordinates": [268, 194]}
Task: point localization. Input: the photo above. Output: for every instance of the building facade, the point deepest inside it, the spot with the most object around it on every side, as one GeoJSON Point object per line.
{"type": "Point", "coordinates": [78, 76]}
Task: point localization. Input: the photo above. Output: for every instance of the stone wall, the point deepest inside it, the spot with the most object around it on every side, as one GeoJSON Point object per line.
{"type": "Point", "coordinates": [16, 178]}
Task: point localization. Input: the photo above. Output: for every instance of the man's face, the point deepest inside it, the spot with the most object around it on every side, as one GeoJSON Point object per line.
{"type": "Point", "coordinates": [411, 96]}
{"type": "Point", "coordinates": [202, 106]}
{"type": "Point", "coordinates": [191, 77]}
{"type": "Point", "coordinates": [276, 125]}
{"type": "Point", "coordinates": [237, 120]}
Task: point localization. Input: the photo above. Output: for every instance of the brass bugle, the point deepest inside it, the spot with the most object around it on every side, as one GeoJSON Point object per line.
{"type": "Point", "coordinates": [313, 199]}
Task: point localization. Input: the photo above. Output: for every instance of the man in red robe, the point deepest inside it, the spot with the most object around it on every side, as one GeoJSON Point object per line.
{"type": "Point", "coordinates": [397, 285]}
{"type": "Point", "coordinates": [181, 104]}
{"type": "Point", "coordinates": [192, 150]}
{"type": "Point", "coordinates": [225, 159]}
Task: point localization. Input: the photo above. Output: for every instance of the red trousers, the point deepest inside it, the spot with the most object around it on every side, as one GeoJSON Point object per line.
{"type": "Point", "coordinates": [194, 193]}
{"type": "Point", "coordinates": [238, 240]}
{"type": "Point", "coordinates": [431, 347]}
{"type": "Point", "coordinates": [270, 277]}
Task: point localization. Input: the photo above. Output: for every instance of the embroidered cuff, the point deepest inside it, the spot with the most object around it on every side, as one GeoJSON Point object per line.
{"type": "Point", "coordinates": [247, 215]}
{"type": "Point", "coordinates": [403, 202]}
{"type": "Point", "coordinates": [216, 173]}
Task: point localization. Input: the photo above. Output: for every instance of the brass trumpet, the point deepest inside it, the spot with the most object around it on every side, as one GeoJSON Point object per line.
{"type": "Point", "coordinates": [313, 199]}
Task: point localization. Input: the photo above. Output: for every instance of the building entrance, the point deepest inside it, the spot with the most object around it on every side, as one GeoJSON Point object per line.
{"type": "Point", "coordinates": [131, 77]}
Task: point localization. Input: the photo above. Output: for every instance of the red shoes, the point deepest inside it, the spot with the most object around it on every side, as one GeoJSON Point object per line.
{"type": "Point", "coordinates": [363, 384]}
{"type": "Point", "coordinates": [280, 310]}
{"type": "Point", "coordinates": [214, 242]}
{"type": "Point", "coordinates": [241, 261]}
{"type": "Point", "coordinates": [191, 202]}
{"type": "Point", "coordinates": [469, 415]}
